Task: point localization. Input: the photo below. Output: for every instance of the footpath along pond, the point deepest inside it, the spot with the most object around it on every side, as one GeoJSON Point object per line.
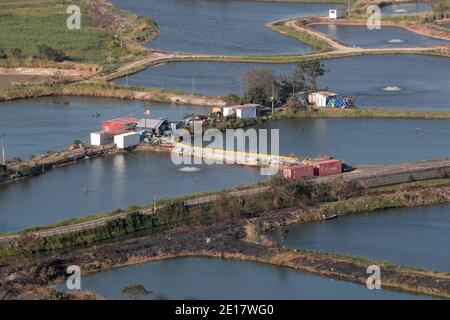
{"type": "Point", "coordinates": [209, 278]}
{"type": "Point", "coordinates": [416, 237]}
{"type": "Point", "coordinates": [223, 26]}
{"type": "Point", "coordinates": [387, 81]}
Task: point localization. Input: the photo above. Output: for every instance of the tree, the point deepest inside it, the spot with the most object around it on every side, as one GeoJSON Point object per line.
{"type": "Point", "coordinates": [310, 71]}
{"type": "Point", "coordinates": [231, 98]}
{"type": "Point", "coordinates": [3, 54]}
{"type": "Point", "coordinates": [50, 53]}
{"type": "Point", "coordinates": [440, 8]}
{"type": "Point", "coordinates": [292, 84]}
{"type": "Point", "coordinates": [294, 104]}
{"type": "Point", "coordinates": [135, 291]}
{"type": "Point", "coordinates": [256, 95]}
{"type": "Point", "coordinates": [259, 84]}
{"type": "Point", "coordinates": [16, 53]}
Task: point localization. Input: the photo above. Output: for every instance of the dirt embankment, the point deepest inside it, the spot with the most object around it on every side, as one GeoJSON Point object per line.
{"type": "Point", "coordinates": [33, 75]}
{"type": "Point", "coordinates": [25, 276]}
{"type": "Point", "coordinates": [225, 241]}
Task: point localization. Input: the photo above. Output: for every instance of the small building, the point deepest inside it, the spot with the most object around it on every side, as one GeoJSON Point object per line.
{"type": "Point", "coordinates": [338, 13]}
{"type": "Point", "coordinates": [298, 172]}
{"type": "Point", "coordinates": [157, 126]}
{"type": "Point", "coordinates": [320, 98]}
{"type": "Point", "coordinates": [127, 140]}
{"type": "Point", "coordinates": [119, 124]}
{"type": "Point", "coordinates": [327, 167]}
{"type": "Point", "coordinates": [243, 111]}
{"type": "Point", "coordinates": [101, 138]}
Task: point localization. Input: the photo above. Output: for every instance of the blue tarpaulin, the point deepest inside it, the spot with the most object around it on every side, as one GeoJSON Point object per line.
{"type": "Point", "coordinates": [339, 102]}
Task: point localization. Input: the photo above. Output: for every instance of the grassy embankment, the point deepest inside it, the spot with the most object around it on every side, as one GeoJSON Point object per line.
{"type": "Point", "coordinates": [321, 199]}
{"type": "Point", "coordinates": [319, 45]}
{"type": "Point", "coordinates": [27, 25]}
{"type": "Point", "coordinates": [362, 113]}
{"type": "Point", "coordinates": [104, 89]}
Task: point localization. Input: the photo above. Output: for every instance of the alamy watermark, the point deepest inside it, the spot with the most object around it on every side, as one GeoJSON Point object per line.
{"type": "Point", "coordinates": [374, 20]}
{"type": "Point", "coordinates": [73, 22]}
{"type": "Point", "coordinates": [74, 280]}
{"type": "Point", "coordinates": [237, 146]}
{"type": "Point", "coordinates": [374, 281]}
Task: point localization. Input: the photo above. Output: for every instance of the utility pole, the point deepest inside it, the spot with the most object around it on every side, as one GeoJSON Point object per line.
{"type": "Point", "coordinates": [146, 113]}
{"type": "Point", "coordinates": [293, 90]}
{"type": "Point", "coordinates": [3, 150]}
{"type": "Point", "coordinates": [154, 204]}
{"type": "Point", "coordinates": [193, 85]}
{"type": "Point", "coordinates": [273, 96]}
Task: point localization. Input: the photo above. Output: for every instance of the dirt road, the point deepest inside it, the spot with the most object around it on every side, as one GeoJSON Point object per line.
{"type": "Point", "coordinates": [340, 48]}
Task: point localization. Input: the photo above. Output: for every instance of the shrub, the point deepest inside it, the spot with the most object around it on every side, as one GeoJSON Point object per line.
{"type": "Point", "coordinates": [16, 53]}
{"type": "Point", "coordinates": [47, 52]}
{"type": "Point", "coordinates": [3, 54]}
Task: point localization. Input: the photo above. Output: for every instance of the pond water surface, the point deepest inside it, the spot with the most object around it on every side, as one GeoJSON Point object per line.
{"type": "Point", "coordinates": [226, 27]}
{"type": "Point", "coordinates": [36, 126]}
{"type": "Point", "coordinates": [405, 8]}
{"type": "Point", "coordinates": [411, 236]}
{"type": "Point", "coordinates": [386, 37]}
{"type": "Point", "coordinates": [389, 81]}
{"type": "Point", "coordinates": [206, 278]}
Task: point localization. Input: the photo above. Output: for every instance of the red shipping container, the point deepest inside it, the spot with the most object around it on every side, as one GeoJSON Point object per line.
{"type": "Point", "coordinates": [327, 167]}
{"type": "Point", "coordinates": [298, 171]}
{"type": "Point", "coordinates": [118, 124]}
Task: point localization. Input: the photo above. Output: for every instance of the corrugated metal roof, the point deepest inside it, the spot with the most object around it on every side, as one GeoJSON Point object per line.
{"type": "Point", "coordinates": [132, 133]}
{"type": "Point", "coordinates": [326, 93]}
{"type": "Point", "coordinates": [123, 120]}
{"type": "Point", "coordinates": [150, 123]}
{"type": "Point", "coordinates": [243, 106]}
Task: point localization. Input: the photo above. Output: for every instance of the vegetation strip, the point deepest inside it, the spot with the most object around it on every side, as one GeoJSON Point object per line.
{"type": "Point", "coordinates": [276, 194]}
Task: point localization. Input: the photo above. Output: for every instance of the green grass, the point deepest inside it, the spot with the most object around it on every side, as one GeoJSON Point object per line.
{"type": "Point", "coordinates": [318, 44]}
{"type": "Point", "coordinates": [27, 25]}
{"type": "Point", "coordinates": [364, 113]}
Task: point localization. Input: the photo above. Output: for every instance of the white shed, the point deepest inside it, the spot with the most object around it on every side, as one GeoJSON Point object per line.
{"type": "Point", "coordinates": [126, 140]}
{"type": "Point", "coordinates": [241, 111]}
{"type": "Point", "coordinates": [320, 98]}
{"type": "Point", "coordinates": [100, 138]}
{"type": "Point", "coordinates": [337, 13]}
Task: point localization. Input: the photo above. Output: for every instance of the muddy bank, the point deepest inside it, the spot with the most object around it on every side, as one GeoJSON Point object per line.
{"type": "Point", "coordinates": [235, 238]}
{"type": "Point", "coordinates": [225, 241]}
{"type": "Point", "coordinates": [18, 170]}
